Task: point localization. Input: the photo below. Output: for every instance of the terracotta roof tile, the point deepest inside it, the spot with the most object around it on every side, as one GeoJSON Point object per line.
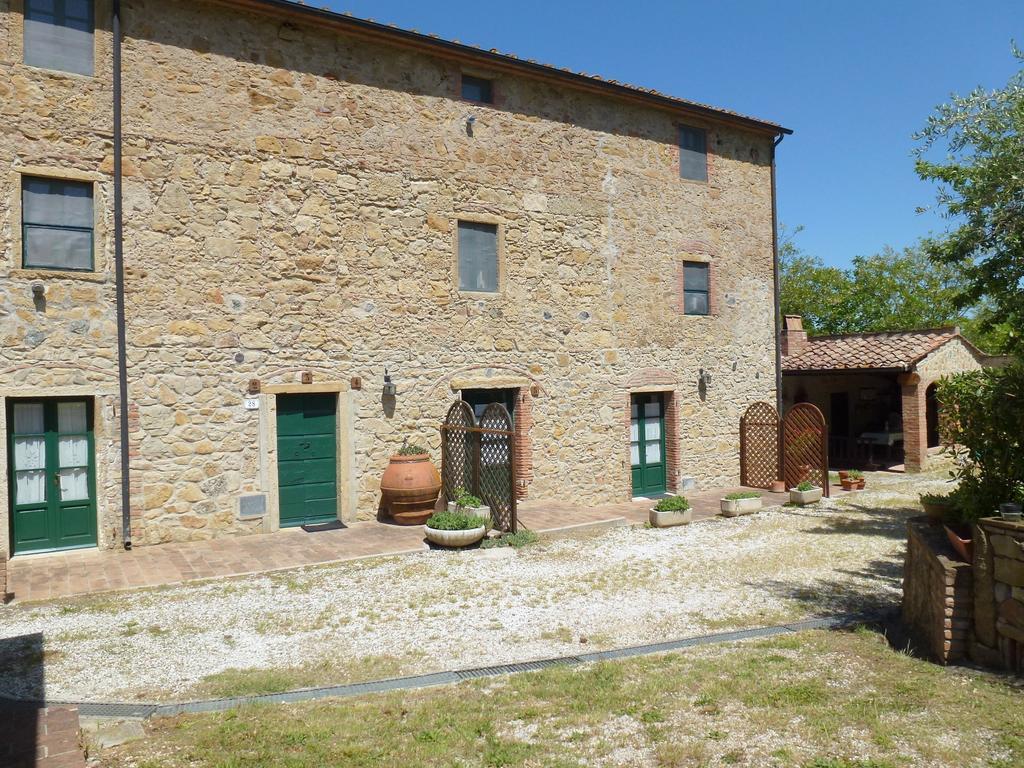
{"type": "Point", "coordinates": [862, 351]}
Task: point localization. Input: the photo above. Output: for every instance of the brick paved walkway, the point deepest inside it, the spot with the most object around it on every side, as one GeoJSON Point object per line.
{"type": "Point", "coordinates": [40, 738]}
{"type": "Point", "coordinates": [44, 577]}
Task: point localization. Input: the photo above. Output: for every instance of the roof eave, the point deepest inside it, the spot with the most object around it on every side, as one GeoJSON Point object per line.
{"type": "Point", "coordinates": [396, 35]}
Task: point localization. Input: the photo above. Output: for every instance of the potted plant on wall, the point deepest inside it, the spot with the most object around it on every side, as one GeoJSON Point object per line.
{"type": "Point", "coordinates": [937, 507]}
{"type": "Point", "coordinates": [805, 493]}
{"type": "Point", "coordinates": [455, 528]}
{"type": "Point", "coordinates": [741, 503]}
{"type": "Point", "coordinates": [410, 485]}
{"type": "Point", "coordinates": [673, 510]}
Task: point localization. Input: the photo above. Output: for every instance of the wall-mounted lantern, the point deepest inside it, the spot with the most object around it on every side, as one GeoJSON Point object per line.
{"type": "Point", "coordinates": [390, 388]}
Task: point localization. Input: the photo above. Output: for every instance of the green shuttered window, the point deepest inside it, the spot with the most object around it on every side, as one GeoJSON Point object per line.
{"type": "Point", "coordinates": [59, 35]}
{"type": "Point", "coordinates": [695, 288]}
{"type": "Point", "coordinates": [56, 224]}
{"type": "Point", "coordinates": [693, 153]}
{"type": "Point", "coordinates": [478, 256]}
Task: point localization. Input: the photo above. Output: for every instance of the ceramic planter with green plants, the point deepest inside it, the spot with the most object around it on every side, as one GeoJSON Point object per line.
{"type": "Point", "coordinates": [854, 480]}
{"type": "Point", "coordinates": [455, 529]}
{"type": "Point", "coordinates": [466, 502]}
{"type": "Point", "coordinates": [741, 503]}
{"type": "Point", "coordinates": [673, 510]}
{"type": "Point", "coordinates": [805, 493]}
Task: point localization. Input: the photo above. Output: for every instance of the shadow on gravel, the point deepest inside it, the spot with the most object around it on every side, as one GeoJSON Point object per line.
{"type": "Point", "coordinates": [872, 593]}
{"type": "Point", "coordinates": [884, 522]}
{"type": "Point", "coordinates": [21, 662]}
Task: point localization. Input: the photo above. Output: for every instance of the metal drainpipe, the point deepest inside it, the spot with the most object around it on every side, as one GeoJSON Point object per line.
{"type": "Point", "coordinates": [777, 305]}
{"type": "Point", "coordinates": [122, 346]}
{"type": "Point", "coordinates": [776, 289]}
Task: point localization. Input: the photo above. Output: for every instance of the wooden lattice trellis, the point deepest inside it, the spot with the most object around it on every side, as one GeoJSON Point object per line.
{"type": "Point", "coordinates": [480, 458]}
{"type": "Point", "coordinates": [805, 447]}
{"type": "Point", "coordinates": [759, 446]}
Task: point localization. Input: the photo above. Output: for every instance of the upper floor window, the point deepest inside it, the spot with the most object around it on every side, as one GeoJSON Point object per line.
{"type": "Point", "coordinates": [478, 256]}
{"type": "Point", "coordinates": [477, 89]}
{"type": "Point", "coordinates": [696, 288]}
{"type": "Point", "coordinates": [59, 35]}
{"type": "Point", "coordinates": [693, 153]}
{"type": "Point", "coordinates": [56, 224]}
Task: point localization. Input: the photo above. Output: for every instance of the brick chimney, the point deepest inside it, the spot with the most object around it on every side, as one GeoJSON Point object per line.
{"type": "Point", "coordinates": [794, 337]}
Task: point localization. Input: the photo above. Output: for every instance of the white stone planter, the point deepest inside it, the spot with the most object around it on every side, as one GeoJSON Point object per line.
{"type": "Point", "coordinates": [734, 507]}
{"type": "Point", "coordinates": [455, 538]}
{"type": "Point", "coordinates": [482, 511]}
{"type": "Point", "coordinates": [670, 517]}
{"type": "Point", "coordinates": [805, 497]}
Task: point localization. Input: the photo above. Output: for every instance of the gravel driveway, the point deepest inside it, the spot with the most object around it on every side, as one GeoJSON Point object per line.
{"type": "Point", "coordinates": [445, 610]}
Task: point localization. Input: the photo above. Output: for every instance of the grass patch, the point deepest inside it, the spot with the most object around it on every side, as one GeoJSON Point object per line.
{"type": "Point", "coordinates": [253, 682]}
{"type": "Point", "coordinates": [835, 700]}
{"type": "Point", "coordinates": [518, 539]}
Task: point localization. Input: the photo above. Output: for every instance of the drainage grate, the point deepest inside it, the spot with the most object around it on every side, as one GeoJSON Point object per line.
{"type": "Point", "coordinates": [117, 709]}
{"type": "Point", "coordinates": [523, 666]}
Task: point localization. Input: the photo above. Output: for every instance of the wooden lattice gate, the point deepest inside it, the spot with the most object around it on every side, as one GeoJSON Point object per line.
{"type": "Point", "coordinates": [759, 446]}
{"type": "Point", "coordinates": [805, 447]}
{"type": "Point", "coordinates": [480, 458]}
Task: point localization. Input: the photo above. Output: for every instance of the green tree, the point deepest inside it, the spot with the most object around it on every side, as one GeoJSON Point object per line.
{"type": "Point", "coordinates": [888, 291]}
{"type": "Point", "coordinates": [981, 191]}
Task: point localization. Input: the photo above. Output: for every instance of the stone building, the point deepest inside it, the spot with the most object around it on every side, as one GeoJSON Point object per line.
{"type": "Point", "coordinates": [876, 390]}
{"type": "Point", "coordinates": [308, 200]}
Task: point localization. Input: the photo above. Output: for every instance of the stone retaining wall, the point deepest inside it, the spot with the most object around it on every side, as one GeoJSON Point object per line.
{"type": "Point", "coordinates": [937, 594]}
{"type": "Point", "coordinates": [999, 593]}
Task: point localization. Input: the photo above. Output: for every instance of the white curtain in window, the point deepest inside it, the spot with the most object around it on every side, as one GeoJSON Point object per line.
{"type": "Point", "coordinates": [71, 418]}
{"type": "Point", "coordinates": [74, 484]}
{"type": "Point", "coordinates": [30, 487]}
{"type": "Point", "coordinates": [73, 451]}
{"type": "Point", "coordinates": [28, 418]}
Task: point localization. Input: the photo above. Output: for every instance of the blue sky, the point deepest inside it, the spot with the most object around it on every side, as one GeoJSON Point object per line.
{"type": "Point", "coordinates": [853, 78]}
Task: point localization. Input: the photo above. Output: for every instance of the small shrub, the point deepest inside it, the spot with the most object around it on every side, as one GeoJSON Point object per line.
{"type": "Point", "coordinates": [743, 495]}
{"type": "Point", "coordinates": [938, 499]}
{"type": "Point", "coordinates": [855, 474]}
{"type": "Point", "coordinates": [411, 449]}
{"type": "Point", "coordinates": [981, 420]}
{"type": "Point", "coordinates": [806, 486]}
{"type": "Point", "coordinates": [454, 521]}
{"type": "Point", "coordinates": [464, 499]}
{"type": "Point", "coordinates": [672, 504]}
{"type": "Point", "coordinates": [516, 540]}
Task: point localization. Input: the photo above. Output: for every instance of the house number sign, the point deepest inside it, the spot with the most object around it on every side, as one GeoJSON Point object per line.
{"type": "Point", "coordinates": [252, 403]}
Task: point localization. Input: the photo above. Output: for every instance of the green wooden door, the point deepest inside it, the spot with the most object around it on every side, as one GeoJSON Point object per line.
{"type": "Point", "coordinates": [307, 465]}
{"type": "Point", "coordinates": [647, 443]}
{"type": "Point", "coordinates": [52, 471]}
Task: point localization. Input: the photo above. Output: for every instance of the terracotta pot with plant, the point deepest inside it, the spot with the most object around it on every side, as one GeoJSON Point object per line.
{"type": "Point", "coordinates": [937, 507]}
{"type": "Point", "coordinates": [854, 480]}
{"type": "Point", "coordinates": [410, 485]}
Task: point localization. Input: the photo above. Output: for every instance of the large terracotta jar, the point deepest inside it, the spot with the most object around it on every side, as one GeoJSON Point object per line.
{"type": "Point", "coordinates": [409, 488]}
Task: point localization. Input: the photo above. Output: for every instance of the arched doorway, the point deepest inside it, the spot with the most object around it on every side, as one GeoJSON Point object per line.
{"type": "Point", "coordinates": [931, 405]}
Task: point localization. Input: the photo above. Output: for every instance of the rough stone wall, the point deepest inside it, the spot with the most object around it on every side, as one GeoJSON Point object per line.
{"type": "Point", "coordinates": [937, 596]}
{"type": "Point", "coordinates": [291, 196]}
{"type": "Point", "coordinates": [999, 596]}
{"type": "Point", "coordinates": [952, 357]}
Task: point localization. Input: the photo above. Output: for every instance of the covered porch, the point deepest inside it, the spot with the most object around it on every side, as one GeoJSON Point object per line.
{"type": "Point", "coordinates": [876, 390]}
